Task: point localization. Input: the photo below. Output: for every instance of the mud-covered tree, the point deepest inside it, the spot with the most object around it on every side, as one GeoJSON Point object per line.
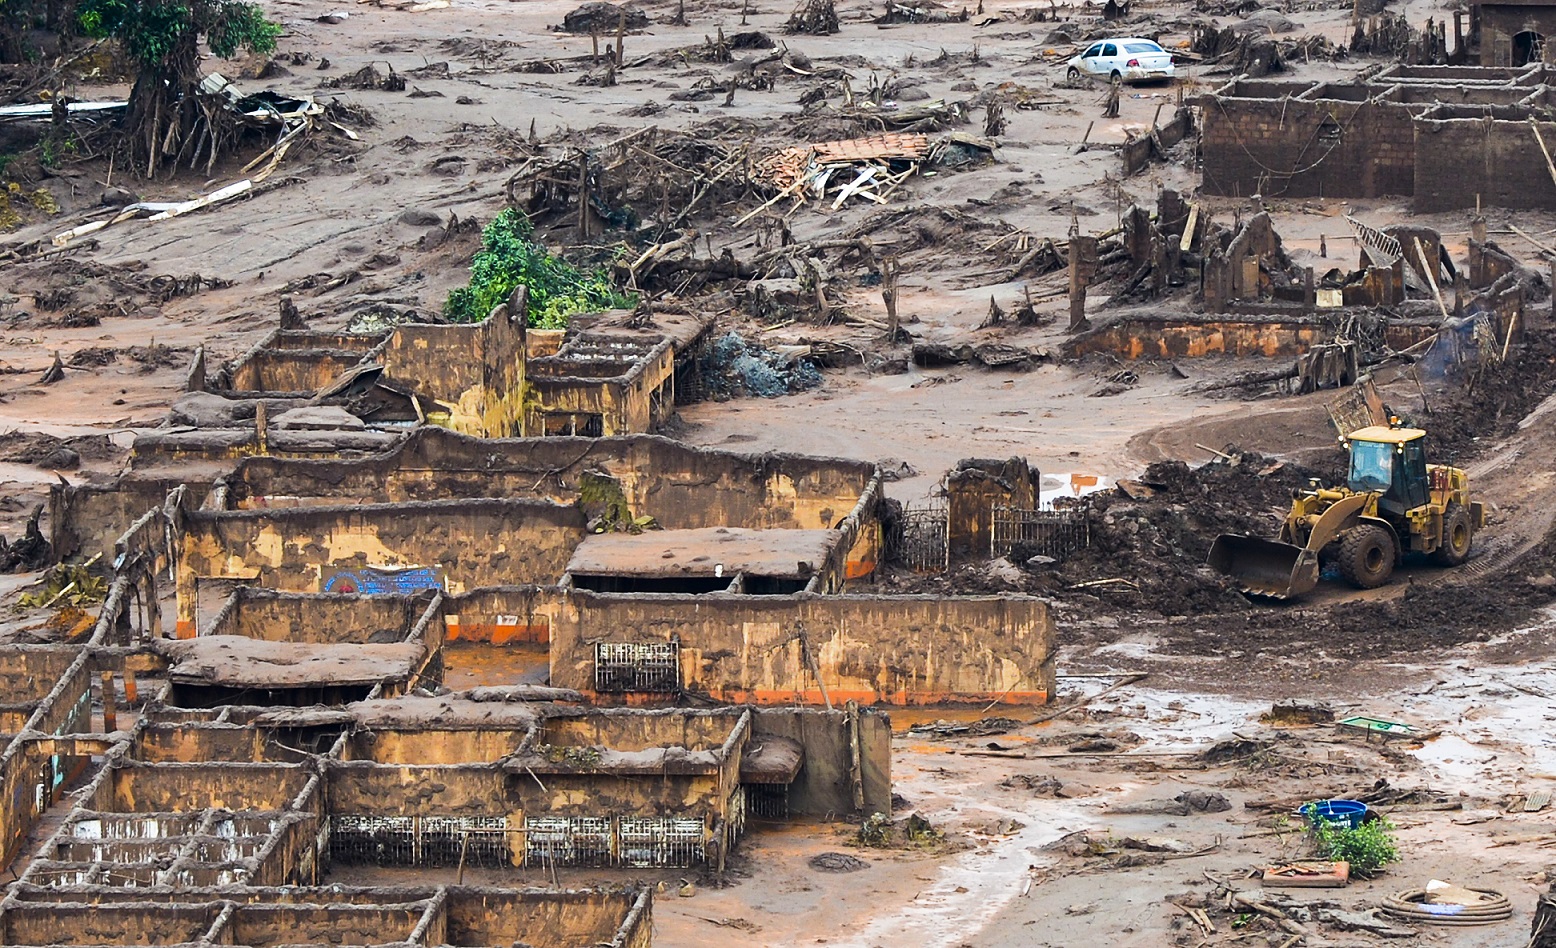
{"type": "Point", "coordinates": [167, 120]}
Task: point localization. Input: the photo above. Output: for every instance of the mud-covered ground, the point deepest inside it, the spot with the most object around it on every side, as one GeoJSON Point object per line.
{"type": "Point", "coordinates": [387, 223]}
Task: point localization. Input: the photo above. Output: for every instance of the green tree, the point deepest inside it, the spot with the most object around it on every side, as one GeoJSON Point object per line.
{"type": "Point", "coordinates": [167, 121]}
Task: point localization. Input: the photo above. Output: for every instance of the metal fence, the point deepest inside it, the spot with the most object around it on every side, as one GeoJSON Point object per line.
{"type": "Point", "coordinates": [637, 667]}
{"type": "Point", "coordinates": [638, 841]}
{"type": "Point", "coordinates": [420, 841]}
{"type": "Point", "coordinates": [1053, 533]}
{"type": "Point", "coordinates": [926, 540]}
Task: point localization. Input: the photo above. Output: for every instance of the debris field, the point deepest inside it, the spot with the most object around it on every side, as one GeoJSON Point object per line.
{"type": "Point", "coordinates": [838, 473]}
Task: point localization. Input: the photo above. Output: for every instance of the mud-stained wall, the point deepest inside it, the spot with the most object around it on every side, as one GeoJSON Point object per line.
{"type": "Point", "coordinates": [292, 617]}
{"type": "Point", "coordinates": [824, 784]}
{"type": "Point", "coordinates": [1487, 156]}
{"type": "Point", "coordinates": [550, 920]}
{"type": "Point", "coordinates": [1272, 337]}
{"type": "Point", "coordinates": [974, 489]}
{"type": "Point", "coordinates": [292, 370]}
{"type": "Point", "coordinates": [625, 403]}
{"type": "Point", "coordinates": [84, 520]}
{"type": "Point", "coordinates": [176, 743]}
{"type": "Point", "coordinates": [182, 788]}
{"type": "Point", "coordinates": [469, 916]}
{"type": "Point", "coordinates": [1499, 23]}
{"type": "Point", "coordinates": [56, 924]}
{"type": "Point", "coordinates": [262, 926]}
{"type": "Point", "coordinates": [484, 790]}
{"type": "Point", "coordinates": [1288, 147]}
{"type": "Point", "coordinates": [892, 650]}
{"type": "Point", "coordinates": [684, 487]}
{"type": "Point", "coordinates": [476, 370]}
{"type": "Point", "coordinates": [471, 543]}
{"type": "Point", "coordinates": [484, 746]}
{"type": "Point", "coordinates": [681, 486]}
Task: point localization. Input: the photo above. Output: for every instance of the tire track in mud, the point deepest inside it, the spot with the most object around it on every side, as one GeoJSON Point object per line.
{"type": "Point", "coordinates": [1519, 475]}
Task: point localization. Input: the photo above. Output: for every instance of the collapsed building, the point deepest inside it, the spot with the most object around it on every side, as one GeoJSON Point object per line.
{"type": "Point", "coordinates": [1447, 137]}
{"type": "Point", "coordinates": [671, 646]}
{"type": "Point", "coordinates": [1397, 294]}
{"type": "Point", "coordinates": [301, 392]}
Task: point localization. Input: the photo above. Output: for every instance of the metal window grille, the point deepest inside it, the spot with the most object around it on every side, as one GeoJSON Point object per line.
{"type": "Point", "coordinates": [1055, 533]}
{"type": "Point", "coordinates": [660, 841]}
{"type": "Point", "coordinates": [737, 811]}
{"type": "Point", "coordinates": [568, 840]}
{"type": "Point", "coordinates": [767, 801]}
{"type": "Point", "coordinates": [926, 545]}
{"type": "Point", "coordinates": [628, 667]}
{"type": "Point", "coordinates": [419, 841]}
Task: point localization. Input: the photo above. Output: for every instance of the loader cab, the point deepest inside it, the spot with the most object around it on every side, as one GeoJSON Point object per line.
{"type": "Point", "coordinates": [1391, 461]}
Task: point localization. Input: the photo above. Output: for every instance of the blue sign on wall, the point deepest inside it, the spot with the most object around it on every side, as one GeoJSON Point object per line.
{"type": "Point", "coordinates": [373, 580]}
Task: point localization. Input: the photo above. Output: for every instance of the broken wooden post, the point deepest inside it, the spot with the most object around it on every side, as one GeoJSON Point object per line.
{"type": "Point", "coordinates": [583, 195]}
{"type": "Point", "coordinates": [131, 692]}
{"type": "Point", "coordinates": [1083, 263]}
{"type": "Point", "coordinates": [261, 428]}
{"type": "Point", "coordinates": [889, 295]}
{"type": "Point", "coordinates": [110, 713]}
{"type": "Point", "coordinates": [621, 34]}
{"type": "Point", "coordinates": [856, 755]}
{"type": "Point", "coordinates": [1115, 89]}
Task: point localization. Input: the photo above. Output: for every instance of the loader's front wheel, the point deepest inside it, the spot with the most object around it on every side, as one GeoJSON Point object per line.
{"type": "Point", "coordinates": [1458, 534]}
{"type": "Point", "coordinates": [1367, 556]}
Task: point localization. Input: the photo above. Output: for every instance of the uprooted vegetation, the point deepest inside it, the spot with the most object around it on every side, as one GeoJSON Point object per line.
{"type": "Point", "coordinates": [510, 257]}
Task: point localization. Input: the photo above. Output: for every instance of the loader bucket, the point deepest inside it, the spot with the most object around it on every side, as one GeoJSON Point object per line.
{"type": "Point", "coordinates": [1265, 567]}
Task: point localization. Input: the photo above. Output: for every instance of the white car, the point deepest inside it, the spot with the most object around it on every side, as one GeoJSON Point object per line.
{"type": "Point", "coordinates": [1128, 58]}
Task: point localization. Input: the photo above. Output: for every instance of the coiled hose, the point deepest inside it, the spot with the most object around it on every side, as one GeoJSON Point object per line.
{"type": "Point", "coordinates": [1411, 906]}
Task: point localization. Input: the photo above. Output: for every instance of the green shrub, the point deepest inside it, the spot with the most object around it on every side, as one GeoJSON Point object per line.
{"type": "Point", "coordinates": [1368, 848]}
{"type": "Point", "coordinates": [509, 257]}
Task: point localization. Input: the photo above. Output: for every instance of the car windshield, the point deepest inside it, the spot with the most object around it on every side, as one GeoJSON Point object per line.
{"type": "Point", "coordinates": [1372, 465]}
{"type": "Point", "coordinates": [1142, 48]}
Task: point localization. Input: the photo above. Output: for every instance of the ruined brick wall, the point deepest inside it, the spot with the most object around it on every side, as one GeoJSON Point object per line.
{"type": "Point", "coordinates": [625, 403]}
{"type": "Point", "coordinates": [274, 616]}
{"type": "Point", "coordinates": [478, 370]}
{"type": "Point", "coordinates": [824, 785]}
{"type": "Point", "coordinates": [1497, 160]}
{"type": "Point", "coordinates": [576, 917]}
{"type": "Point", "coordinates": [471, 543]}
{"type": "Point", "coordinates": [84, 519]}
{"type": "Point", "coordinates": [973, 490]}
{"type": "Point", "coordinates": [1272, 337]}
{"type": "Point", "coordinates": [1499, 23]}
{"type": "Point", "coordinates": [292, 370]}
{"type": "Point", "coordinates": [899, 650]}
{"type": "Point", "coordinates": [682, 486]}
{"type": "Point", "coordinates": [1295, 148]}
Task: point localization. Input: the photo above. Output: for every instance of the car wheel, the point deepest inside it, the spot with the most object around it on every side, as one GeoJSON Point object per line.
{"type": "Point", "coordinates": [1117, 75]}
{"type": "Point", "coordinates": [1073, 74]}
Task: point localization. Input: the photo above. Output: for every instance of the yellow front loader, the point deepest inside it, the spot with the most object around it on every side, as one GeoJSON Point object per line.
{"type": "Point", "coordinates": [1393, 503]}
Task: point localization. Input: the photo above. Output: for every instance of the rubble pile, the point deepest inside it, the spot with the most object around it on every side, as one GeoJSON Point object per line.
{"type": "Point", "coordinates": [1149, 538]}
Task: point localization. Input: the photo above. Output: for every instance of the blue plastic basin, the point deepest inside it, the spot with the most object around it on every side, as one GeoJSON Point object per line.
{"type": "Point", "coordinates": [1349, 812]}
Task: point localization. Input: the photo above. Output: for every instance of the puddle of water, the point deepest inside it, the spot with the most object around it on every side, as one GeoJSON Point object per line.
{"type": "Point", "coordinates": [974, 888]}
{"type": "Point", "coordinates": [1059, 486]}
{"type": "Point", "coordinates": [970, 891]}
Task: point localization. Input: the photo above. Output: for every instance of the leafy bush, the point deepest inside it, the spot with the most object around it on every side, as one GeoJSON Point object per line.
{"type": "Point", "coordinates": [1368, 848]}
{"type": "Point", "coordinates": [509, 257]}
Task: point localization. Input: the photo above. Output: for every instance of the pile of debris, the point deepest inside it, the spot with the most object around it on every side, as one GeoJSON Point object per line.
{"type": "Point", "coordinates": [732, 367]}
{"type": "Point", "coordinates": [816, 17]}
{"type": "Point", "coordinates": [869, 168]}
{"type": "Point", "coordinates": [1149, 538]}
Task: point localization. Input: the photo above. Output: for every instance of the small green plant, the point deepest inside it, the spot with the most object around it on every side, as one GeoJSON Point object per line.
{"type": "Point", "coordinates": [509, 257]}
{"type": "Point", "coordinates": [1367, 848]}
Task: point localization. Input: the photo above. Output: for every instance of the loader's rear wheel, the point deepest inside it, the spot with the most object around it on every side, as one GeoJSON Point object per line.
{"type": "Point", "coordinates": [1458, 534]}
{"type": "Point", "coordinates": [1367, 556]}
